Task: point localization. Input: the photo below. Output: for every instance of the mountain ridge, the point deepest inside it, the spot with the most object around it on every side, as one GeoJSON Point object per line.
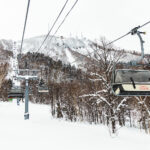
{"type": "Point", "coordinates": [73, 50]}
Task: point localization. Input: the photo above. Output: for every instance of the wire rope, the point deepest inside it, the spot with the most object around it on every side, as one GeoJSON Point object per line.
{"type": "Point", "coordinates": [26, 17]}
{"type": "Point", "coordinates": [53, 25]}
{"type": "Point", "coordinates": [138, 27]}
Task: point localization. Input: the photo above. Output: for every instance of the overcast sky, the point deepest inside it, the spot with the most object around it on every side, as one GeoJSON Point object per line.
{"type": "Point", "coordinates": [90, 18]}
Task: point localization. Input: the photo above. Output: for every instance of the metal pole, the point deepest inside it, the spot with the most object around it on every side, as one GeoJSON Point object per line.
{"type": "Point", "coordinates": [142, 45]}
{"type": "Point", "coordinates": [133, 32]}
{"type": "Point", "coordinates": [26, 114]}
{"type": "Point", "coordinates": [27, 78]}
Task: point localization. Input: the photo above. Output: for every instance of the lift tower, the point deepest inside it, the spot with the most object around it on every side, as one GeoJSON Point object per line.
{"type": "Point", "coordinates": [27, 75]}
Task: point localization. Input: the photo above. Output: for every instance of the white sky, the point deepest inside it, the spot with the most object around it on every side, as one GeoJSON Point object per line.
{"type": "Point", "coordinates": [90, 18]}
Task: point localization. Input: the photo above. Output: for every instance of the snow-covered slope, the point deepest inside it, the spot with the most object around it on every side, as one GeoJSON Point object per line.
{"type": "Point", "coordinates": [72, 50]}
{"type": "Point", "coordinates": [6, 44]}
{"type": "Point", "coordinates": [68, 50]}
{"type": "Point", "coordinates": [42, 132]}
{"type": "Point", "coordinates": [59, 48]}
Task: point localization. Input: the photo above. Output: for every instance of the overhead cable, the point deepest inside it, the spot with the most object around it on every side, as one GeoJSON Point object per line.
{"type": "Point", "coordinates": [53, 25]}
{"type": "Point", "coordinates": [63, 20]}
{"type": "Point", "coordinates": [144, 24]}
{"type": "Point", "coordinates": [138, 27]}
{"type": "Point", "coordinates": [24, 26]}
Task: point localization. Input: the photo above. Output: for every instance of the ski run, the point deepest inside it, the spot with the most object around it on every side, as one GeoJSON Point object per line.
{"type": "Point", "coordinates": [42, 132]}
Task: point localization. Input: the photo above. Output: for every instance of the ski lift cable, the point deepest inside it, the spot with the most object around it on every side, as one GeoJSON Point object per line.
{"type": "Point", "coordinates": [144, 24]}
{"type": "Point", "coordinates": [63, 20]}
{"type": "Point", "coordinates": [138, 27]}
{"type": "Point", "coordinates": [130, 32]}
{"type": "Point", "coordinates": [53, 25]}
{"type": "Point", "coordinates": [26, 17]}
{"type": "Point", "coordinates": [18, 92]}
{"type": "Point", "coordinates": [41, 88]}
{"type": "Point", "coordinates": [118, 39]}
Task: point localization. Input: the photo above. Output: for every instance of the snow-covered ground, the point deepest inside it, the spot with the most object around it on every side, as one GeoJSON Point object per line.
{"type": "Point", "coordinates": [42, 132]}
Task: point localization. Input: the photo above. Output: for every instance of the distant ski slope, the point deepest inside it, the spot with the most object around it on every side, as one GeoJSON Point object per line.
{"type": "Point", "coordinates": [42, 132]}
{"type": "Point", "coordinates": [68, 50]}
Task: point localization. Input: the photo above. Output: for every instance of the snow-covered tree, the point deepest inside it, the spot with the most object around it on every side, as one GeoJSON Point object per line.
{"type": "Point", "coordinates": [103, 61]}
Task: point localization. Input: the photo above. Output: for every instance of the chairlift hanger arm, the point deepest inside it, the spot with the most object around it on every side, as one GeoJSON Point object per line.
{"type": "Point", "coordinates": [142, 44]}
{"type": "Point", "coordinates": [133, 32]}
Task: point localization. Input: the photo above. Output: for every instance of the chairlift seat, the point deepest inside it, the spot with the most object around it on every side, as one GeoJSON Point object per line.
{"type": "Point", "coordinates": [128, 82]}
{"type": "Point", "coordinates": [16, 93]}
{"type": "Point", "coordinates": [43, 89]}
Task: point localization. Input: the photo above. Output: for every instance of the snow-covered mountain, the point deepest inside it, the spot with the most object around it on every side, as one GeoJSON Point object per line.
{"type": "Point", "coordinates": [67, 50]}
{"type": "Point", "coordinates": [6, 44]}
{"type": "Point", "coordinates": [71, 50]}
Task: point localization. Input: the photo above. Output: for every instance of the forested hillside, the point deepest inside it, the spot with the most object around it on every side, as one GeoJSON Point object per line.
{"type": "Point", "coordinates": [81, 94]}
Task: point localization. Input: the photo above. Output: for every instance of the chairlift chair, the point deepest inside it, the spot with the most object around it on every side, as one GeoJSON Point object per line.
{"type": "Point", "coordinates": [42, 88]}
{"type": "Point", "coordinates": [16, 92]}
{"type": "Point", "coordinates": [131, 82]}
